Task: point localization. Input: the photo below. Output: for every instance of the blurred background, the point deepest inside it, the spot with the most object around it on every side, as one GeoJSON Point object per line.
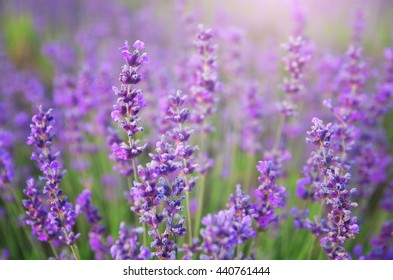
{"type": "Point", "coordinates": [52, 50]}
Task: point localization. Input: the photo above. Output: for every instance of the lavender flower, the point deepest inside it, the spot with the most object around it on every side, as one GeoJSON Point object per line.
{"type": "Point", "coordinates": [127, 246]}
{"type": "Point", "coordinates": [239, 203]}
{"type": "Point", "coordinates": [333, 192]}
{"type": "Point", "coordinates": [252, 129]}
{"type": "Point", "coordinates": [75, 97]}
{"type": "Point", "coordinates": [6, 169]}
{"type": "Point", "coordinates": [173, 158]}
{"type": "Point", "coordinates": [387, 201]}
{"type": "Point", "coordinates": [297, 56]}
{"type": "Point", "coordinates": [60, 212]}
{"type": "Point", "coordinates": [129, 103]}
{"type": "Point", "coordinates": [39, 218]}
{"type": "Point", "coordinates": [178, 114]}
{"type": "Point", "coordinates": [385, 88]}
{"type": "Point", "coordinates": [269, 196]}
{"type": "Point", "coordinates": [223, 232]}
{"type": "Point", "coordinates": [382, 245]}
{"type": "Point", "coordinates": [5, 254]}
{"type": "Point", "coordinates": [84, 206]}
{"type": "Point", "coordinates": [205, 80]}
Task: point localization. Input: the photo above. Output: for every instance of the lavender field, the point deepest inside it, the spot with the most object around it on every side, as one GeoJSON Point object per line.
{"type": "Point", "coordinates": [196, 129]}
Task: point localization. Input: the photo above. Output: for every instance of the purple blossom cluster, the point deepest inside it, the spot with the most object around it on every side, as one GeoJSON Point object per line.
{"type": "Point", "coordinates": [84, 206]}
{"type": "Point", "coordinates": [167, 179]}
{"type": "Point", "coordinates": [298, 54]}
{"type": "Point", "coordinates": [127, 246]}
{"type": "Point", "coordinates": [252, 130]}
{"type": "Point", "coordinates": [129, 103]}
{"type": "Point", "coordinates": [49, 213]}
{"type": "Point", "coordinates": [205, 84]}
{"type": "Point", "coordinates": [223, 232]}
{"type": "Point", "coordinates": [381, 245]}
{"type": "Point", "coordinates": [330, 188]}
{"type": "Point", "coordinates": [227, 229]}
{"type": "Point", "coordinates": [268, 196]}
{"type": "Point", "coordinates": [6, 169]}
{"type": "Point", "coordinates": [75, 98]}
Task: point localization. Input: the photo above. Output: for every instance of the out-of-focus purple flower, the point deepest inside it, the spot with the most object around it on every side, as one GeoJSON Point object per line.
{"type": "Point", "coordinates": [6, 169]}
{"type": "Point", "coordinates": [127, 246]}
{"type": "Point", "coordinates": [268, 196]}
{"type": "Point", "coordinates": [278, 157]}
{"type": "Point", "coordinates": [358, 26]}
{"type": "Point", "coordinates": [387, 199]}
{"type": "Point", "coordinates": [62, 54]}
{"type": "Point", "coordinates": [299, 18]}
{"type": "Point", "coordinates": [205, 80]}
{"type": "Point", "coordinates": [353, 75]}
{"type": "Point", "coordinates": [76, 98]}
{"type": "Point", "coordinates": [223, 231]}
{"type": "Point", "coordinates": [300, 218]}
{"type": "Point", "coordinates": [84, 206]}
{"type": "Point", "coordinates": [228, 228]}
{"type": "Point", "coordinates": [204, 85]}
{"type": "Point", "coordinates": [239, 203]}
{"type": "Point", "coordinates": [5, 254]}
{"type": "Point", "coordinates": [112, 185]}
{"type": "Point", "coordinates": [381, 245]}
{"type": "Point", "coordinates": [252, 129]}
{"type": "Point", "coordinates": [297, 57]}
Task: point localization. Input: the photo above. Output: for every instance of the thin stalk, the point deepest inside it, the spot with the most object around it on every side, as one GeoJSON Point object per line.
{"type": "Point", "coordinates": [53, 250]}
{"type": "Point", "coordinates": [73, 247]}
{"type": "Point", "coordinates": [200, 206]}
{"type": "Point", "coordinates": [201, 193]}
{"type": "Point", "coordinates": [279, 133]}
{"type": "Point", "coordinates": [189, 224]}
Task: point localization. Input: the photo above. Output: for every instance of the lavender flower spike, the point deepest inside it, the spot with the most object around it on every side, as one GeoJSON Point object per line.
{"type": "Point", "coordinates": [127, 246]}
{"type": "Point", "coordinates": [60, 212]}
{"type": "Point", "coordinates": [269, 196]}
{"type": "Point", "coordinates": [223, 232]}
{"type": "Point", "coordinates": [298, 54]}
{"type": "Point", "coordinates": [129, 103]}
{"type": "Point", "coordinates": [84, 206]}
{"type": "Point", "coordinates": [332, 190]}
{"type": "Point", "coordinates": [205, 80]}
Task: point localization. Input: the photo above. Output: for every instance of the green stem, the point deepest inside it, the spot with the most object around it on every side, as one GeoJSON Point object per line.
{"type": "Point", "coordinates": [279, 133]}
{"type": "Point", "coordinates": [200, 206]}
{"type": "Point", "coordinates": [189, 224]}
{"type": "Point", "coordinates": [53, 250]}
{"type": "Point", "coordinates": [75, 252]}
